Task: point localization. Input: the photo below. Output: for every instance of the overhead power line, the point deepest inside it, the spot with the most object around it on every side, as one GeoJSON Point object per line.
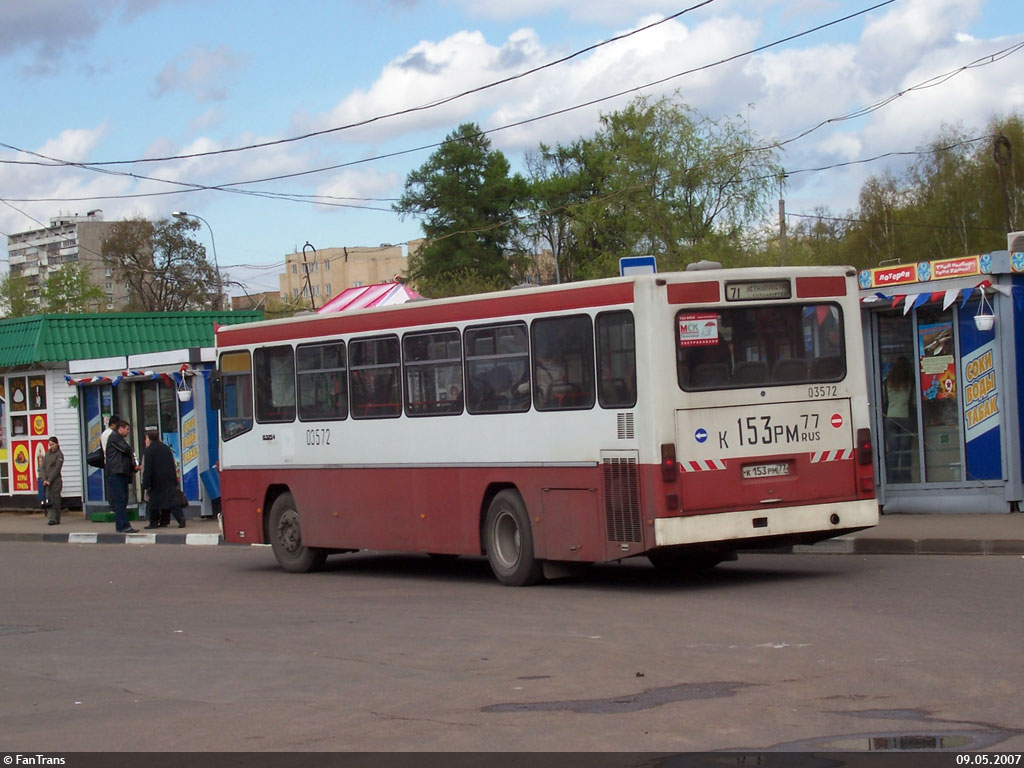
{"type": "Point", "coordinates": [231, 186]}
{"type": "Point", "coordinates": [409, 110]}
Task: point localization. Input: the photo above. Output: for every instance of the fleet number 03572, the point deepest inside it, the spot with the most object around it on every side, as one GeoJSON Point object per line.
{"type": "Point", "coordinates": [318, 437]}
{"type": "Point", "coordinates": [987, 758]}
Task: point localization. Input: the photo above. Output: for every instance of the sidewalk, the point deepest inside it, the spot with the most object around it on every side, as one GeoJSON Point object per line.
{"type": "Point", "coordinates": [951, 534]}
{"type": "Point", "coordinates": [74, 528]}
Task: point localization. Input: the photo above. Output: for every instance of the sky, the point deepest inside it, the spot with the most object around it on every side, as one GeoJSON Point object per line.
{"type": "Point", "coordinates": [142, 107]}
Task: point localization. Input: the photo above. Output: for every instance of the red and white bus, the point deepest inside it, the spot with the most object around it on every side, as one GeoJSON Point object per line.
{"type": "Point", "coordinates": [681, 416]}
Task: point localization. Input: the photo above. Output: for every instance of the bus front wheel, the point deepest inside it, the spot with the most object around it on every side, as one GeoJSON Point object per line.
{"type": "Point", "coordinates": [509, 541]}
{"type": "Point", "coordinates": [286, 538]}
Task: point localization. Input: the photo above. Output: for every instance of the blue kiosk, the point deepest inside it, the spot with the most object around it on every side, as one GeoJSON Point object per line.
{"type": "Point", "coordinates": [944, 342]}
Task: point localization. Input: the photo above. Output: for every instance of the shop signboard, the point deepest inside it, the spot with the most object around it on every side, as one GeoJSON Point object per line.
{"type": "Point", "coordinates": [189, 450]}
{"type": "Point", "coordinates": [980, 366]}
{"type": "Point", "coordinates": [923, 271]}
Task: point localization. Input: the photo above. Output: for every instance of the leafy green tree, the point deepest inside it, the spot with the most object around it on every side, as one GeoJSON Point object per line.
{"type": "Point", "coordinates": [656, 179]}
{"type": "Point", "coordinates": [953, 201]}
{"type": "Point", "coordinates": [69, 290]}
{"type": "Point", "coordinates": [14, 297]}
{"type": "Point", "coordinates": [165, 269]}
{"type": "Point", "coordinates": [469, 203]}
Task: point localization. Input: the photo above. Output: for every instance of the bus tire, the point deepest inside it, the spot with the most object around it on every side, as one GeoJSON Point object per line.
{"type": "Point", "coordinates": [509, 541]}
{"type": "Point", "coordinates": [286, 539]}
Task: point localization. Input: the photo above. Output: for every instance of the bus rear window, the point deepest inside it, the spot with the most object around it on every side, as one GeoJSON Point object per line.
{"type": "Point", "coordinates": [761, 346]}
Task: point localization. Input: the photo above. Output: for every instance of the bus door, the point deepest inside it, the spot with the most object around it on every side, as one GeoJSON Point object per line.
{"type": "Point", "coordinates": [768, 417]}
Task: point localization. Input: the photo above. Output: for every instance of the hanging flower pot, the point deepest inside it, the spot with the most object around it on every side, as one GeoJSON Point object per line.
{"type": "Point", "coordinates": [184, 390]}
{"type": "Point", "coordinates": [985, 319]}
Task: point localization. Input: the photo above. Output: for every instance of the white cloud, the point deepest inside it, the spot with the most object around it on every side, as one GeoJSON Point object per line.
{"type": "Point", "coordinates": [55, 29]}
{"type": "Point", "coordinates": [202, 72]}
{"type": "Point", "coordinates": [359, 187]}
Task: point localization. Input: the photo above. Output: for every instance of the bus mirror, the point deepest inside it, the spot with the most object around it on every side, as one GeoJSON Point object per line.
{"type": "Point", "coordinates": [215, 391]}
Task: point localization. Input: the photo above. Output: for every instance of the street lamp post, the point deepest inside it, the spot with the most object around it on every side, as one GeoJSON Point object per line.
{"type": "Point", "coordinates": [213, 242]}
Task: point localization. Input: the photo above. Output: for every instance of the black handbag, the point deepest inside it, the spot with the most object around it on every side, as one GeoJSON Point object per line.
{"type": "Point", "coordinates": [95, 458]}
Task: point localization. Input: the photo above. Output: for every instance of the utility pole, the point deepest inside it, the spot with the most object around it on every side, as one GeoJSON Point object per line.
{"type": "Point", "coordinates": [782, 221]}
{"type": "Point", "coordinates": [305, 265]}
{"type": "Point", "coordinates": [1001, 162]}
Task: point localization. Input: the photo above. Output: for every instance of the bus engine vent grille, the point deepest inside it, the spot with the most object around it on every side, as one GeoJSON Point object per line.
{"type": "Point", "coordinates": [625, 421]}
{"type": "Point", "coordinates": [622, 499]}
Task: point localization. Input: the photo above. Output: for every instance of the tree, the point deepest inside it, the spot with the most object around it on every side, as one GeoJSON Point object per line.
{"type": "Point", "coordinates": [657, 179]}
{"type": "Point", "coordinates": [469, 203]}
{"type": "Point", "coordinates": [955, 200]}
{"type": "Point", "coordinates": [164, 268]}
{"type": "Point", "coordinates": [14, 297]}
{"type": "Point", "coordinates": [69, 290]}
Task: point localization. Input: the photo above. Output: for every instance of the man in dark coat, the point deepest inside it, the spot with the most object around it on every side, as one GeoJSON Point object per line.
{"type": "Point", "coordinates": [119, 467]}
{"type": "Point", "coordinates": [160, 481]}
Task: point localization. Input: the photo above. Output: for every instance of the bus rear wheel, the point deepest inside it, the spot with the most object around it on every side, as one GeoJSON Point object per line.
{"type": "Point", "coordinates": [509, 541]}
{"type": "Point", "coordinates": [286, 538]}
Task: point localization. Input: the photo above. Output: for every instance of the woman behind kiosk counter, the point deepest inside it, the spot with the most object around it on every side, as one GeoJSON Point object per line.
{"type": "Point", "coordinates": [899, 426]}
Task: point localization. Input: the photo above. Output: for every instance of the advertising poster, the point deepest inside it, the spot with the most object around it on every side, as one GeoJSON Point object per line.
{"type": "Point", "coordinates": [698, 329]}
{"type": "Point", "coordinates": [938, 366]}
{"type": "Point", "coordinates": [39, 448]}
{"type": "Point", "coordinates": [36, 393]}
{"type": "Point", "coordinates": [189, 451]}
{"type": "Point", "coordinates": [18, 400]}
{"type": "Point", "coordinates": [982, 404]}
{"type": "Point", "coordinates": [37, 425]}
{"type": "Point", "coordinates": [21, 463]}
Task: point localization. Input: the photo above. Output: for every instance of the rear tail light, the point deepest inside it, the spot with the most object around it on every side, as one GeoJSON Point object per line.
{"type": "Point", "coordinates": [864, 453]}
{"type": "Point", "coordinates": [669, 467]}
{"type": "Point", "coordinates": [865, 463]}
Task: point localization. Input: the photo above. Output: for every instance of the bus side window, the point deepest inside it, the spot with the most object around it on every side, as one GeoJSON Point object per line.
{"type": "Point", "coordinates": [563, 363]}
{"type": "Point", "coordinates": [616, 359]}
{"type": "Point", "coordinates": [375, 371]}
{"type": "Point", "coordinates": [321, 380]}
{"type": "Point", "coordinates": [236, 394]}
{"type": "Point", "coordinates": [275, 384]}
{"type": "Point", "coordinates": [497, 369]}
{"type": "Point", "coordinates": [433, 373]}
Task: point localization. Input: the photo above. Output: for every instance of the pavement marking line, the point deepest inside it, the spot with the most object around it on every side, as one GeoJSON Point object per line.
{"type": "Point", "coordinates": [82, 538]}
{"type": "Point", "coordinates": [140, 538]}
{"type": "Point", "coordinates": [202, 539]}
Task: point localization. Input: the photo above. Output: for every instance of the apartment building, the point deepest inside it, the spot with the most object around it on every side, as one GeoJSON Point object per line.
{"type": "Point", "coordinates": [70, 239]}
{"type": "Point", "coordinates": [331, 270]}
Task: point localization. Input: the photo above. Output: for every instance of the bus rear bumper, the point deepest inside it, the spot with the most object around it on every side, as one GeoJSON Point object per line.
{"type": "Point", "coordinates": [804, 524]}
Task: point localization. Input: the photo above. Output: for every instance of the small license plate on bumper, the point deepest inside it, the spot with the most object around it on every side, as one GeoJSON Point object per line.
{"type": "Point", "coordinates": [777, 469]}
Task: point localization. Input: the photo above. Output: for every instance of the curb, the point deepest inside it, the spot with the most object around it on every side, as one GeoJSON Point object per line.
{"type": "Point", "coordinates": [837, 546]}
{"type": "Point", "coordinates": [195, 539]}
{"type": "Point", "coordinates": [875, 546]}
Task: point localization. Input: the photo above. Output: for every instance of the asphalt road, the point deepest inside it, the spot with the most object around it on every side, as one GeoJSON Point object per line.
{"type": "Point", "coordinates": [174, 649]}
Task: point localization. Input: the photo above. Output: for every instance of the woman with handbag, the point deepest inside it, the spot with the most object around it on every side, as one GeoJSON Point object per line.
{"type": "Point", "coordinates": [53, 462]}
